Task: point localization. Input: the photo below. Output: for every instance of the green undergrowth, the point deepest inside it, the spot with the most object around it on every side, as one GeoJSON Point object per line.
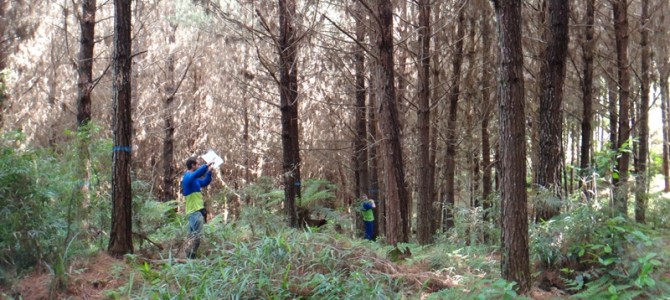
{"type": "Point", "coordinates": [590, 255]}
{"type": "Point", "coordinates": [285, 265]}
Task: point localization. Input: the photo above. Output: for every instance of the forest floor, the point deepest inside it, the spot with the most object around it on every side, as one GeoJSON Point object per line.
{"type": "Point", "coordinates": [96, 277]}
{"type": "Point", "coordinates": [87, 279]}
{"type": "Point", "coordinates": [101, 276]}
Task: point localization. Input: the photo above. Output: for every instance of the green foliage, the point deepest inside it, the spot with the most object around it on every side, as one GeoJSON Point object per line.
{"type": "Point", "coordinates": [44, 217]}
{"type": "Point", "coordinates": [29, 195]}
{"type": "Point", "coordinates": [600, 257]}
{"type": "Point", "coordinates": [470, 227]}
{"type": "Point", "coordinates": [658, 212]}
{"type": "Point", "coordinates": [481, 290]}
{"type": "Point", "coordinates": [285, 264]}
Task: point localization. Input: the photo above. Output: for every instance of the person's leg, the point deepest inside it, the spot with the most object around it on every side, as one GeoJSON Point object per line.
{"type": "Point", "coordinates": [369, 230]}
{"type": "Point", "coordinates": [195, 221]}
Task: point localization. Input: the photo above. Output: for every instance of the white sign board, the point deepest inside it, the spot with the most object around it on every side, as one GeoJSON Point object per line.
{"type": "Point", "coordinates": [212, 157]}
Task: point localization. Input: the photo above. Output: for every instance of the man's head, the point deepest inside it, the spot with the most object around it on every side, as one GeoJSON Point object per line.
{"type": "Point", "coordinates": [364, 196]}
{"type": "Point", "coordinates": [192, 163]}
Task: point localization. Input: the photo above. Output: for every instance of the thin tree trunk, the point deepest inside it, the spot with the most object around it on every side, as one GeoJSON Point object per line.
{"type": "Point", "coordinates": [373, 133]}
{"type": "Point", "coordinates": [641, 168]}
{"type": "Point", "coordinates": [85, 64]}
{"type": "Point", "coordinates": [288, 89]}
{"type": "Point", "coordinates": [397, 217]}
{"type": "Point", "coordinates": [665, 100]}
{"type": "Point", "coordinates": [515, 257]}
{"type": "Point", "coordinates": [361, 180]}
{"type": "Point", "coordinates": [3, 62]}
{"type": "Point", "coordinates": [167, 189]}
{"type": "Point", "coordinates": [452, 138]}
{"type": "Point", "coordinates": [661, 39]}
{"type": "Point", "coordinates": [471, 93]}
{"type": "Point", "coordinates": [551, 119]}
{"type": "Point", "coordinates": [373, 191]}
{"type": "Point", "coordinates": [120, 238]}
{"type": "Point", "coordinates": [424, 187]}
{"type": "Point", "coordinates": [487, 106]}
{"type": "Point", "coordinates": [437, 94]}
{"type": "Point", "coordinates": [620, 13]}
{"type": "Point", "coordinates": [84, 88]}
{"type": "Point", "coordinates": [360, 148]}
{"type": "Point", "coordinates": [587, 91]}
{"type": "Point", "coordinates": [612, 109]}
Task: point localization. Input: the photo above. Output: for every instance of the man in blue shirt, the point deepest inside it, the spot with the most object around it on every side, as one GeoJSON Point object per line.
{"type": "Point", "coordinates": [196, 177]}
{"type": "Point", "coordinates": [368, 216]}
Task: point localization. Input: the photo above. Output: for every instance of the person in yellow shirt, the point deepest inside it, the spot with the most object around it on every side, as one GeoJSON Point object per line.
{"type": "Point", "coordinates": [196, 177]}
{"type": "Point", "coordinates": [368, 216]}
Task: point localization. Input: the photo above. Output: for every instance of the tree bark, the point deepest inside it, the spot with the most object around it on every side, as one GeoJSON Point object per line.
{"type": "Point", "coordinates": [587, 91]}
{"type": "Point", "coordinates": [438, 74]}
{"type": "Point", "coordinates": [167, 188]}
{"type": "Point", "coordinates": [452, 138]}
{"type": "Point", "coordinates": [397, 217]}
{"type": "Point", "coordinates": [487, 106]}
{"type": "Point", "coordinates": [612, 109]}
{"type": "Point", "coordinates": [373, 131]}
{"type": "Point", "coordinates": [373, 149]}
{"type": "Point", "coordinates": [85, 64]}
{"type": "Point", "coordinates": [84, 89]}
{"type": "Point", "coordinates": [641, 168]}
{"type": "Point", "coordinates": [551, 119]}
{"type": "Point", "coordinates": [661, 40]}
{"type": "Point", "coordinates": [288, 89]}
{"type": "Point", "coordinates": [515, 258]}
{"type": "Point", "coordinates": [665, 101]}
{"type": "Point", "coordinates": [3, 62]}
{"type": "Point", "coordinates": [120, 240]}
{"type": "Point", "coordinates": [425, 211]}
{"type": "Point", "coordinates": [360, 147]}
{"type": "Point", "coordinates": [620, 13]}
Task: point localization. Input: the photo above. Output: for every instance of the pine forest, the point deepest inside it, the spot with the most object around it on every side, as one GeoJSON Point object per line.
{"type": "Point", "coordinates": [334, 149]}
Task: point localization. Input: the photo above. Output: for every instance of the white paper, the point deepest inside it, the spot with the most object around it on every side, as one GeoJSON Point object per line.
{"type": "Point", "coordinates": [212, 157]}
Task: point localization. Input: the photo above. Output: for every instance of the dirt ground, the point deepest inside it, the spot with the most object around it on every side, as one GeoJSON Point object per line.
{"type": "Point", "coordinates": [88, 280]}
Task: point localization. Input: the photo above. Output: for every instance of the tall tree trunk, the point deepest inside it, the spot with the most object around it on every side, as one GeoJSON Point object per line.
{"type": "Point", "coordinates": [515, 258]}
{"type": "Point", "coordinates": [425, 211]}
{"type": "Point", "coordinates": [662, 39]}
{"type": "Point", "coordinates": [641, 168]}
{"type": "Point", "coordinates": [551, 119]}
{"type": "Point", "coordinates": [587, 91]}
{"type": "Point", "coordinates": [471, 107]}
{"type": "Point", "coordinates": [397, 216]}
{"type": "Point", "coordinates": [288, 89]}
{"type": "Point", "coordinates": [248, 77]}
{"type": "Point", "coordinates": [665, 100]}
{"type": "Point", "coordinates": [373, 129]}
{"type": "Point", "coordinates": [438, 74]}
{"type": "Point", "coordinates": [167, 188]}
{"type": "Point", "coordinates": [85, 64]}
{"type": "Point", "coordinates": [620, 12]}
{"type": "Point", "coordinates": [612, 109]}
{"type": "Point", "coordinates": [373, 191]}
{"type": "Point", "coordinates": [360, 147]}
{"type": "Point", "coordinates": [487, 106]}
{"type": "Point", "coordinates": [120, 239]}
{"type": "Point", "coordinates": [3, 61]}
{"type": "Point", "coordinates": [85, 87]}
{"type": "Point", "coordinates": [360, 141]}
{"type": "Point", "coordinates": [452, 138]}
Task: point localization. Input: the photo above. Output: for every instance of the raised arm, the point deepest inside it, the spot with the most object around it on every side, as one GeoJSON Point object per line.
{"type": "Point", "coordinates": [203, 182]}
{"type": "Point", "coordinates": [199, 172]}
{"type": "Point", "coordinates": [368, 205]}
